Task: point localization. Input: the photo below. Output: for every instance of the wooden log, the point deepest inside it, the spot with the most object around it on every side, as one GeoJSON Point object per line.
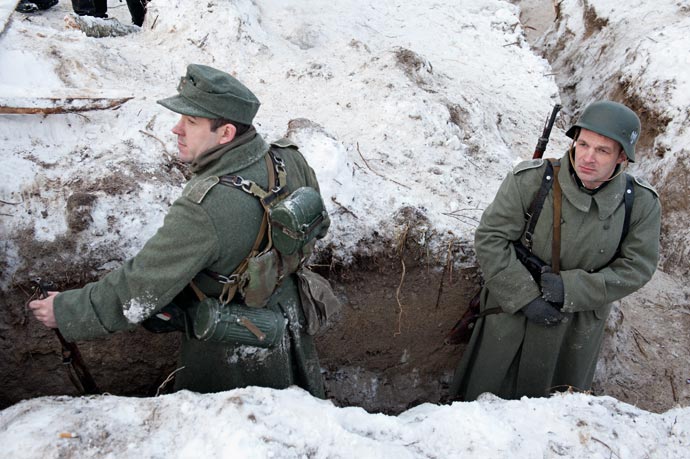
{"type": "Point", "coordinates": [56, 105]}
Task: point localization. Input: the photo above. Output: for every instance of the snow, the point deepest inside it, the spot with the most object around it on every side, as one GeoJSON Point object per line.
{"type": "Point", "coordinates": [380, 138]}
{"type": "Point", "coordinates": [264, 423]}
{"type": "Point", "coordinates": [395, 104]}
{"type": "Point", "coordinates": [138, 309]}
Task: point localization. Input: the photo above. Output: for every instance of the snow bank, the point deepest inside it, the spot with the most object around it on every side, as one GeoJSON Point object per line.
{"type": "Point", "coordinates": [395, 106]}
{"type": "Point", "coordinates": [260, 423]}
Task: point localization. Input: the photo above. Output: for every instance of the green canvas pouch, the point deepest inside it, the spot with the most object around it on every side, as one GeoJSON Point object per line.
{"type": "Point", "coordinates": [260, 279]}
{"type": "Point", "coordinates": [319, 303]}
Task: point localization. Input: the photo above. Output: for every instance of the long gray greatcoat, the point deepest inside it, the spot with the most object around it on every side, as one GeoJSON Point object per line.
{"type": "Point", "coordinates": [511, 357]}
{"type": "Point", "coordinates": [209, 227]}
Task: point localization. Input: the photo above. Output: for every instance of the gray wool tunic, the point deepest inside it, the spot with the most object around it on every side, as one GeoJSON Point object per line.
{"type": "Point", "coordinates": [209, 227]}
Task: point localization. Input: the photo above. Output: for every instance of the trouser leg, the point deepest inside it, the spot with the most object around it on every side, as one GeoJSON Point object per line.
{"type": "Point", "coordinates": [137, 8]}
{"type": "Point", "coordinates": [97, 8]}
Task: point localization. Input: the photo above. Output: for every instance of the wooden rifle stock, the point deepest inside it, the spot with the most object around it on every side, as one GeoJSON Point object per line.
{"type": "Point", "coordinates": [78, 373]}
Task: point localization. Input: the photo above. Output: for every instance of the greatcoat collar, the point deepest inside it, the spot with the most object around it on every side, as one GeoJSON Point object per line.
{"type": "Point", "coordinates": [606, 199]}
{"type": "Point", "coordinates": [238, 154]}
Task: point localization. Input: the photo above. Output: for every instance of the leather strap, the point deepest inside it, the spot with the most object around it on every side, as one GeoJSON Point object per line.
{"type": "Point", "coordinates": [556, 239]}
{"type": "Point", "coordinates": [534, 210]}
{"type": "Point", "coordinates": [199, 294]}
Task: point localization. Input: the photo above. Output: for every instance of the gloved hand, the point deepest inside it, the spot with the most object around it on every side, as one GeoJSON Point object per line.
{"type": "Point", "coordinates": [552, 288]}
{"type": "Point", "coordinates": [542, 312]}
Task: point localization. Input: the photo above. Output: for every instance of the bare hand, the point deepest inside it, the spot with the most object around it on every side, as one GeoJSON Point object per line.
{"type": "Point", "coordinates": [43, 310]}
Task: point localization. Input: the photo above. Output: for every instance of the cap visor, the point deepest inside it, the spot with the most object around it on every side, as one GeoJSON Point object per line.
{"type": "Point", "coordinates": [179, 104]}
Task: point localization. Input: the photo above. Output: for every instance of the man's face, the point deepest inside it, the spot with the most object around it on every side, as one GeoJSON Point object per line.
{"type": "Point", "coordinates": [596, 157]}
{"type": "Point", "coordinates": [194, 136]}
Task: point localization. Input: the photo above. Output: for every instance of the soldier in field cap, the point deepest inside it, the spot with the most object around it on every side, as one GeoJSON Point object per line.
{"type": "Point", "coordinates": [200, 252]}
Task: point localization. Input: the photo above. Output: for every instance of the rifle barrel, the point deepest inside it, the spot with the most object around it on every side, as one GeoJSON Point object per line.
{"type": "Point", "coordinates": [546, 133]}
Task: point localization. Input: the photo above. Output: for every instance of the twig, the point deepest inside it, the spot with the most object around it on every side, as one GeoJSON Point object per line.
{"type": "Point", "coordinates": [403, 238]}
{"type": "Point", "coordinates": [639, 333]}
{"type": "Point", "coordinates": [470, 161]}
{"type": "Point", "coordinates": [612, 451]}
{"type": "Point", "coordinates": [380, 175]}
{"type": "Point", "coordinates": [669, 373]}
{"type": "Point", "coordinates": [638, 344]}
{"type": "Point", "coordinates": [159, 140]}
{"type": "Point", "coordinates": [167, 380]}
{"type": "Point", "coordinates": [11, 203]}
{"type": "Point", "coordinates": [511, 44]}
{"type": "Point", "coordinates": [447, 267]}
{"type": "Point", "coordinates": [345, 209]}
{"type": "Point", "coordinates": [460, 217]}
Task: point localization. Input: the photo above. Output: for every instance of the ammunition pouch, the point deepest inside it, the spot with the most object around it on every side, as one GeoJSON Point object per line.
{"type": "Point", "coordinates": [236, 324]}
{"type": "Point", "coordinates": [319, 303]}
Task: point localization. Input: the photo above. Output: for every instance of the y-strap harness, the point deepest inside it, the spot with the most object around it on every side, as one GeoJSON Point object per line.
{"type": "Point", "coordinates": [277, 180]}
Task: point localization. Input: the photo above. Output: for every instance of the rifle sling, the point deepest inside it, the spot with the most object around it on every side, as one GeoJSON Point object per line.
{"type": "Point", "coordinates": [628, 199]}
{"type": "Point", "coordinates": [534, 210]}
{"type": "Point", "coordinates": [78, 373]}
{"type": "Point", "coordinates": [556, 239]}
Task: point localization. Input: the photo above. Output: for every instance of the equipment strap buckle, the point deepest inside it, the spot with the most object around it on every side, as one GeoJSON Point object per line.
{"type": "Point", "coordinates": [249, 325]}
{"type": "Point", "coordinates": [232, 279]}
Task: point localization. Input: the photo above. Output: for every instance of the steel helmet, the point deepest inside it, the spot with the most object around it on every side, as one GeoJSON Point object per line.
{"type": "Point", "coordinates": [613, 120]}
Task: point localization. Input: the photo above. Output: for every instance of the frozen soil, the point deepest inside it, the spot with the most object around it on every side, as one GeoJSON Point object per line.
{"type": "Point", "coordinates": [645, 360]}
{"type": "Point", "coordinates": [386, 350]}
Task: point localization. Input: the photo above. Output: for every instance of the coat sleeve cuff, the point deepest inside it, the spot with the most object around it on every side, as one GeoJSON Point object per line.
{"type": "Point", "coordinates": [513, 288]}
{"type": "Point", "coordinates": [75, 321]}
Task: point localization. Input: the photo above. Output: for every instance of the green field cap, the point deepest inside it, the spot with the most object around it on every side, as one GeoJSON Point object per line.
{"type": "Point", "coordinates": [211, 93]}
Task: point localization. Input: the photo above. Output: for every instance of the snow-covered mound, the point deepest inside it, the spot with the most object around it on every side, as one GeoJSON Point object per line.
{"type": "Point", "coordinates": [395, 106]}
{"type": "Point", "coordinates": [261, 423]}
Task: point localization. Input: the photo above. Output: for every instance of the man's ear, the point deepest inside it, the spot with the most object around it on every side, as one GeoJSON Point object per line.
{"type": "Point", "coordinates": [228, 132]}
{"type": "Point", "coordinates": [622, 157]}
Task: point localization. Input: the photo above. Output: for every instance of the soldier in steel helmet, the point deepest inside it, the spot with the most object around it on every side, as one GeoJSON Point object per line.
{"type": "Point", "coordinates": [207, 234]}
{"type": "Point", "coordinates": [547, 329]}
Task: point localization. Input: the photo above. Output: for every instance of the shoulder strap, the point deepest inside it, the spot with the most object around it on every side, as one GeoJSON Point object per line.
{"type": "Point", "coordinates": [628, 199]}
{"type": "Point", "coordinates": [534, 210]}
